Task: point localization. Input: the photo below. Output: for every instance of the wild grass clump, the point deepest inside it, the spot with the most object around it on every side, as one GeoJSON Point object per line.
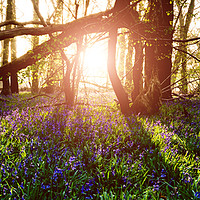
{"type": "Point", "coordinates": [97, 153]}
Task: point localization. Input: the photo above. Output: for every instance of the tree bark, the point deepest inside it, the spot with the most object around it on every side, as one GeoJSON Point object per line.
{"type": "Point", "coordinates": [137, 71]}
{"type": "Point", "coordinates": [69, 94]}
{"type": "Point", "coordinates": [14, 77]}
{"type": "Point", "coordinates": [6, 83]}
{"type": "Point", "coordinates": [35, 67]}
{"type": "Point", "coordinates": [158, 53]}
{"type": "Point", "coordinates": [129, 57]}
{"type": "Point", "coordinates": [122, 52]}
{"type": "Point", "coordinates": [115, 81]}
{"type": "Point", "coordinates": [165, 48]}
{"type": "Point", "coordinates": [184, 28]}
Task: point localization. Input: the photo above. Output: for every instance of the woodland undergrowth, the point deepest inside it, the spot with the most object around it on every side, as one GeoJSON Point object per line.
{"type": "Point", "coordinates": [93, 152]}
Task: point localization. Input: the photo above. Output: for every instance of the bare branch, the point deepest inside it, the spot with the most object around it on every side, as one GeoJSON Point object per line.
{"type": "Point", "coordinates": [33, 97]}
{"type": "Point", "coordinates": [187, 53]}
{"type": "Point", "coordinates": [179, 14]}
{"type": "Point", "coordinates": [30, 31]}
{"type": "Point", "coordinates": [187, 40]}
{"type": "Point", "coordinates": [14, 22]}
{"type": "Point", "coordinates": [96, 85]}
{"type": "Point", "coordinates": [38, 13]}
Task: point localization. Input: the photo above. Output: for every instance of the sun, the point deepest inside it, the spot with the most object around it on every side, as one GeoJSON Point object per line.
{"type": "Point", "coordinates": [95, 62]}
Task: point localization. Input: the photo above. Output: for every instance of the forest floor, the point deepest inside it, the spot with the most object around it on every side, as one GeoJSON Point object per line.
{"type": "Point", "coordinates": [94, 152]}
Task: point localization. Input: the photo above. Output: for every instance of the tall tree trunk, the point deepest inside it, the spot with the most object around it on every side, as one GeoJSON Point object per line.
{"type": "Point", "coordinates": [14, 78]}
{"type": "Point", "coordinates": [6, 84]}
{"type": "Point", "coordinates": [129, 57]}
{"type": "Point", "coordinates": [69, 95]}
{"type": "Point", "coordinates": [137, 71]}
{"type": "Point", "coordinates": [165, 48]}
{"type": "Point", "coordinates": [122, 51]}
{"type": "Point", "coordinates": [59, 12]}
{"type": "Point", "coordinates": [35, 67]}
{"type": "Point", "coordinates": [159, 53]}
{"type": "Point", "coordinates": [184, 28]}
{"type": "Point", "coordinates": [150, 61]}
{"type": "Point", "coordinates": [76, 68]}
{"type": "Point", "coordinates": [115, 81]}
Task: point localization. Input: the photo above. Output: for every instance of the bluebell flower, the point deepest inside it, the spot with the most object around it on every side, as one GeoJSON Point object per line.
{"type": "Point", "coordinates": [3, 170]}
{"type": "Point", "coordinates": [197, 194]}
{"type": "Point", "coordinates": [163, 173]}
{"type": "Point", "coordinates": [43, 186]}
{"type": "Point", "coordinates": [82, 189]}
{"type": "Point", "coordinates": [89, 197]}
{"type": "Point", "coordinates": [22, 185]}
{"type": "Point", "coordinates": [33, 180]}
{"type": "Point", "coordinates": [156, 187]}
